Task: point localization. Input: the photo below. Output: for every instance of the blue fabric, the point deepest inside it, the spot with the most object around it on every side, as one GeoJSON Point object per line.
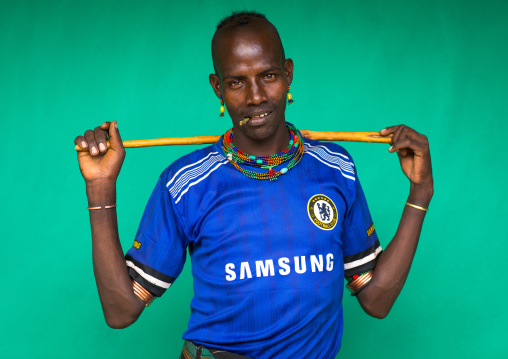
{"type": "Point", "coordinates": [268, 281]}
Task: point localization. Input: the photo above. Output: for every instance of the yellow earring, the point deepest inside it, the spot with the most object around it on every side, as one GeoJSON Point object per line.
{"type": "Point", "coordinates": [222, 108]}
{"type": "Point", "coordinates": [290, 98]}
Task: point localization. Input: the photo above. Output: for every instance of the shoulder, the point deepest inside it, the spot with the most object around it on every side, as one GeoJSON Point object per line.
{"type": "Point", "coordinates": [194, 164]}
{"type": "Point", "coordinates": [330, 147]}
{"type": "Point", "coordinates": [331, 155]}
{"type": "Point", "coordinates": [191, 169]}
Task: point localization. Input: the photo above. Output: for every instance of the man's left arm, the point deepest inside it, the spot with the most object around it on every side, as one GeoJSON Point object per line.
{"type": "Point", "coordinates": [393, 265]}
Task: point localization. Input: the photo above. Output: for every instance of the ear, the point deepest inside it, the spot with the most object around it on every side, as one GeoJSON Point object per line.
{"type": "Point", "coordinates": [288, 68]}
{"type": "Point", "coordinates": [215, 83]}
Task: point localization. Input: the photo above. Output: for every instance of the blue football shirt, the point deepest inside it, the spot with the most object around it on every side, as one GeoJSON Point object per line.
{"type": "Point", "coordinates": [268, 257]}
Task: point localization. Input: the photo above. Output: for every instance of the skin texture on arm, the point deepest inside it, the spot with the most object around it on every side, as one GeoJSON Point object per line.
{"type": "Point", "coordinates": [100, 168]}
{"type": "Point", "coordinates": [393, 266]}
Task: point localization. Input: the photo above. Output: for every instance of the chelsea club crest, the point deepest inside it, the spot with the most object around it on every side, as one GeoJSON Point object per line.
{"type": "Point", "coordinates": [322, 212]}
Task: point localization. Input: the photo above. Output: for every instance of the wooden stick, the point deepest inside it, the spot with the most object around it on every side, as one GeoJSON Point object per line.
{"type": "Point", "coordinates": [313, 135]}
{"type": "Point", "coordinates": [347, 136]}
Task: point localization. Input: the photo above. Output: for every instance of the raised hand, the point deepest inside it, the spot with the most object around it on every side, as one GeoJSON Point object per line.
{"type": "Point", "coordinates": [100, 167]}
{"type": "Point", "coordinates": [99, 162]}
{"type": "Point", "coordinates": [414, 155]}
{"type": "Point", "coordinates": [393, 266]}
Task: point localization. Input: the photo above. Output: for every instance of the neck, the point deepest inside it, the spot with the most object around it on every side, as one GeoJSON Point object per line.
{"type": "Point", "coordinates": [263, 146]}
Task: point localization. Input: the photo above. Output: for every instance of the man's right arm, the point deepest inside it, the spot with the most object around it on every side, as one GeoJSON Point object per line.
{"type": "Point", "coordinates": [100, 168]}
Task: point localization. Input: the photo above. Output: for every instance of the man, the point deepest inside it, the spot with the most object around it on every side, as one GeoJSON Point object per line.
{"type": "Point", "coordinates": [273, 222]}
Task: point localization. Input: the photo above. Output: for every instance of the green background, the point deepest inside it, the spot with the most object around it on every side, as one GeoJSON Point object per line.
{"type": "Point", "coordinates": [438, 66]}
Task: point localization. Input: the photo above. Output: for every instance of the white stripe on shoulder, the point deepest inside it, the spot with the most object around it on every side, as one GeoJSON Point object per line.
{"type": "Point", "coordinates": [332, 161]}
{"type": "Point", "coordinates": [328, 150]}
{"type": "Point", "coordinates": [189, 175]}
{"type": "Point", "coordinates": [148, 277]}
{"type": "Point", "coordinates": [364, 260]}
{"type": "Point", "coordinates": [199, 180]}
{"type": "Point", "coordinates": [329, 165]}
{"type": "Point", "coordinates": [192, 164]}
{"type": "Point", "coordinates": [321, 151]}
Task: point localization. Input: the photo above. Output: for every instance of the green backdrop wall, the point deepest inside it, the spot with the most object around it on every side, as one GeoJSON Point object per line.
{"type": "Point", "coordinates": [438, 66]}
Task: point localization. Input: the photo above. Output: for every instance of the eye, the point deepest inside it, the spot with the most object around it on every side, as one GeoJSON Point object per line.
{"type": "Point", "coordinates": [234, 83]}
{"type": "Point", "coordinates": [270, 76]}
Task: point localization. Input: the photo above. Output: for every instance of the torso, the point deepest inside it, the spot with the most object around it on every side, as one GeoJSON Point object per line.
{"type": "Point", "coordinates": [267, 267]}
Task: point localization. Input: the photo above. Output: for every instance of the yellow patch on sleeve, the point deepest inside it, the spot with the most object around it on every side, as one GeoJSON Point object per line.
{"type": "Point", "coordinates": [137, 244]}
{"type": "Point", "coordinates": [370, 230]}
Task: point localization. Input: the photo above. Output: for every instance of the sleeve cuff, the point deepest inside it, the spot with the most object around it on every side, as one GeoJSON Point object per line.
{"type": "Point", "coordinates": [363, 261]}
{"type": "Point", "coordinates": [153, 281]}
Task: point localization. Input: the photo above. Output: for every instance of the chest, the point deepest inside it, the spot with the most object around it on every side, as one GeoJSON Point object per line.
{"type": "Point", "coordinates": [294, 221]}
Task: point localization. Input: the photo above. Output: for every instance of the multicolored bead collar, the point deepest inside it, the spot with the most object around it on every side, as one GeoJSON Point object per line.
{"type": "Point", "coordinates": [292, 153]}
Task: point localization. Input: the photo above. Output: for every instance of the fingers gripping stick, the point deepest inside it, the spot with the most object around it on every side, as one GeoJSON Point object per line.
{"type": "Point", "coordinates": [412, 149]}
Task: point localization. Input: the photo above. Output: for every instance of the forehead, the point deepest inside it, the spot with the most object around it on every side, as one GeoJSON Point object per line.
{"type": "Point", "coordinates": [248, 47]}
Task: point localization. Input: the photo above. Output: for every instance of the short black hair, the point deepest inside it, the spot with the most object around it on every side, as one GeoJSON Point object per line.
{"type": "Point", "coordinates": [240, 18]}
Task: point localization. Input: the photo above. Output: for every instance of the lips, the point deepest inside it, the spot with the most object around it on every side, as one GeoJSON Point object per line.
{"type": "Point", "coordinates": [255, 119]}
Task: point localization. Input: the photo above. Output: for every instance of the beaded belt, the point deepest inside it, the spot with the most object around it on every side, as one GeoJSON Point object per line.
{"type": "Point", "coordinates": [193, 351]}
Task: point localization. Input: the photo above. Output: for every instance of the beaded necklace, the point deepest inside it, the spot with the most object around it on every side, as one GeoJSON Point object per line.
{"type": "Point", "coordinates": [292, 153]}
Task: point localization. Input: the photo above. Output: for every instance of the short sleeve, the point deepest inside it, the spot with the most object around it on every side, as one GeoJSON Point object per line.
{"type": "Point", "coordinates": [361, 246]}
{"type": "Point", "coordinates": [159, 251]}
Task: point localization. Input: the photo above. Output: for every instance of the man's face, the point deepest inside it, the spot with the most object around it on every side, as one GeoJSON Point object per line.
{"type": "Point", "coordinates": [252, 77]}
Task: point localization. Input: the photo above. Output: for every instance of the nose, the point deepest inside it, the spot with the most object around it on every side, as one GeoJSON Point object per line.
{"type": "Point", "coordinates": [256, 93]}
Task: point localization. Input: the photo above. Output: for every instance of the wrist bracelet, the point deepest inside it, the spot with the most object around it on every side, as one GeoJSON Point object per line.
{"type": "Point", "coordinates": [417, 207]}
{"type": "Point", "coordinates": [111, 206]}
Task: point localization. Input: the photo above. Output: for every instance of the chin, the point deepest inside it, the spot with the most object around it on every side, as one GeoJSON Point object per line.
{"type": "Point", "coordinates": [261, 130]}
